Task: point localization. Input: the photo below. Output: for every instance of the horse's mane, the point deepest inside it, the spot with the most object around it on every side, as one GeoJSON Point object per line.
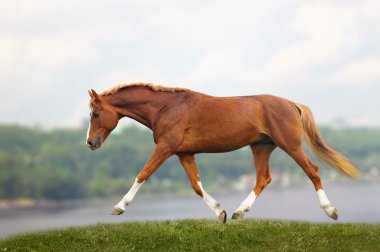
{"type": "Point", "coordinates": [150, 86]}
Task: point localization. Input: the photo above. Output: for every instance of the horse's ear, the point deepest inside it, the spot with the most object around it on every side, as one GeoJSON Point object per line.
{"type": "Point", "coordinates": [94, 95]}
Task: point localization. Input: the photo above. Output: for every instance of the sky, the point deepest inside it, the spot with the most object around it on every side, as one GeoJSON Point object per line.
{"type": "Point", "coordinates": [325, 54]}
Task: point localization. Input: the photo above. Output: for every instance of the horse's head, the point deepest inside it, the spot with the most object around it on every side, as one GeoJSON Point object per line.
{"type": "Point", "coordinates": [103, 119]}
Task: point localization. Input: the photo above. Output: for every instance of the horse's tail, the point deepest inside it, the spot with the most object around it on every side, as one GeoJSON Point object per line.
{"type": "Point", "coordinates": [324, 152]}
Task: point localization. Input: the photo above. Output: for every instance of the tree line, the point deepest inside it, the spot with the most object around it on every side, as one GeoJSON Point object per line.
{"type": "Point", "coordinates": [56, 164]}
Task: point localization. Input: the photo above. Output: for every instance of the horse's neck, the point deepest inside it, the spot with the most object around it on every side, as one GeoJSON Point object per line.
{"type": "Point", "coordinates": [142, 107]}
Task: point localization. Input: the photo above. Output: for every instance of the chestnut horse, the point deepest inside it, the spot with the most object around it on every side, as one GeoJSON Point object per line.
{"type": "Point", "coordinates": [185, 122]}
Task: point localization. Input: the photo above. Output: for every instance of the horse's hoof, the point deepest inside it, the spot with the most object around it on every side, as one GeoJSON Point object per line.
{"type": "Point", "coordinates": [117, 211]}
{"type": "Point", "coordinates": [223, 216]}
{"type": "Point", "coordinates": [334, 215]}
{"type": "Point", "coordinates": [238, 215]}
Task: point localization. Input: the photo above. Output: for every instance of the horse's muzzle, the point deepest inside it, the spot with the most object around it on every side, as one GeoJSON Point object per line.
{"type": "Point", "coordinates": [95, 144]}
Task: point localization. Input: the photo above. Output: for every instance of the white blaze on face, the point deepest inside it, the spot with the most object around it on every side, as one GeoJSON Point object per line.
{"type": "Point", "coordinates": [88, 130]}
{"type": "Point", "coordinates": [89, 127]}
{"type": "Point", "coordinates": [246, 205]}
{"type": "Point", "coordinates": [210, 201]}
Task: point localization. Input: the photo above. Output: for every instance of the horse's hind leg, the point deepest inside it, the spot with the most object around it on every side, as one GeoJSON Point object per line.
{"type": "Point", "coordinates": [261, 154]}
{"type": "Point", "coordinates": [188, 162]}
{"type": "Point", "coordinates": [311, 170]}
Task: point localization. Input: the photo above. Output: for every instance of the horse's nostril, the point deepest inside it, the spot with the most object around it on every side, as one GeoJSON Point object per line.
{"type": "Point", "coordinates": [89, 143]}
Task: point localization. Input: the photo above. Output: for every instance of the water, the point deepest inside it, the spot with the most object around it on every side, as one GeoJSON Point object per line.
{"type": "Point", "coordinates": [359, 203]}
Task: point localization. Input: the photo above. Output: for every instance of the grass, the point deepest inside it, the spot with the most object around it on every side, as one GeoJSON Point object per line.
{"type": "Point", "coordinates": [203, 235]}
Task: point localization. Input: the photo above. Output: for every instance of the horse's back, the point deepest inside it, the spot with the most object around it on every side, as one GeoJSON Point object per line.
{"type": "Point", "coordinates": [218, 124]}
{"type": "Point", "coordinates": [257, 110]}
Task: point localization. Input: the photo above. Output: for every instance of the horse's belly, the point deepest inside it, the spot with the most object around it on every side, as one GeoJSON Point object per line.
{"type": "Point", "coordinates": [217, 143]}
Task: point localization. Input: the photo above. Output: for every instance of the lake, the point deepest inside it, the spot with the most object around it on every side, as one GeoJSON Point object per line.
{"type": "Point", "coordinates": [359, 203]}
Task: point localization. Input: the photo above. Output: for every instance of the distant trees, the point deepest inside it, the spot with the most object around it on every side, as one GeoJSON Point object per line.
{"type": "Point", "coordinates": [57, 165]}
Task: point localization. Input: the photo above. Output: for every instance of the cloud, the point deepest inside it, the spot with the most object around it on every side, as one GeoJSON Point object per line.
{"type": "Point", "coordinates": [148, 73]}
{"type": "Point", "coordinates": [36, 59]}
{"type": "Point", "coordinates": [318, 35]}
{"type": "Point", "coordinates": [365, 72]}
{"type": "Point", "coordinates": [218, 47]}
{"type": "Point", "coordinates": [214, 66]}
{"type": "Point", "coordinates": [324, 31]}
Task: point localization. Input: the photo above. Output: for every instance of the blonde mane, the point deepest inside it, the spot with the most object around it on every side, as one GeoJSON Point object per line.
{"type": "Point", "coordinates": [150, 86]}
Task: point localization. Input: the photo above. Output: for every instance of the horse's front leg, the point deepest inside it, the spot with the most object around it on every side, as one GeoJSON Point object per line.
{"type": "Point", "coordinates": [160, 154]}
{"type": "Point", "coordinates": [188, 163]}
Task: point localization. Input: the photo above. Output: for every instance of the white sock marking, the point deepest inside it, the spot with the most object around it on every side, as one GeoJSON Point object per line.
{"type": "Point", "coordinates": [129, 196]}
{"type": "Point", "coordinates": [246, 205]}
{"type": "Point", "coordinates": [210, 201]}
{"type": "Point", "coordinates": [325, 203]}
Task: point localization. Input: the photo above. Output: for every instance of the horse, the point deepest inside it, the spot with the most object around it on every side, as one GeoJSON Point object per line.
{"type": "Point", "coordinates": [185, 122]}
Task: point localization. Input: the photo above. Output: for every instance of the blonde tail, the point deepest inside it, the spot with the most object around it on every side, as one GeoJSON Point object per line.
{"type": "Point", "coordinates": [324, 152]}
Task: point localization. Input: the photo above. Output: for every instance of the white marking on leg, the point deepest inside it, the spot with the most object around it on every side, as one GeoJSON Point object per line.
{"type": "Point", "coordinates": [210, 201]}
{"type": "Point", "coordinates": [129, 196]}
{"type": "Point", "coordinates": [246, 205]}
{"type": "Point", "coordinates": [325, 203]}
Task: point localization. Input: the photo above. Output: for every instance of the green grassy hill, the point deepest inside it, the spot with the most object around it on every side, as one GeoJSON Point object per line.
{"type": "Point", "coordinates": [203, 235]}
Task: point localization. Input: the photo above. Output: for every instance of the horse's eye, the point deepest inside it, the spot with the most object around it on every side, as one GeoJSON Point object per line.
{"type": "Point", "coordinates": [94, 114]}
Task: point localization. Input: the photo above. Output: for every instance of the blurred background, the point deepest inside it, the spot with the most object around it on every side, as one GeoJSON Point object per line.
{"type": "Point", "coordinates": [325, 54]}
